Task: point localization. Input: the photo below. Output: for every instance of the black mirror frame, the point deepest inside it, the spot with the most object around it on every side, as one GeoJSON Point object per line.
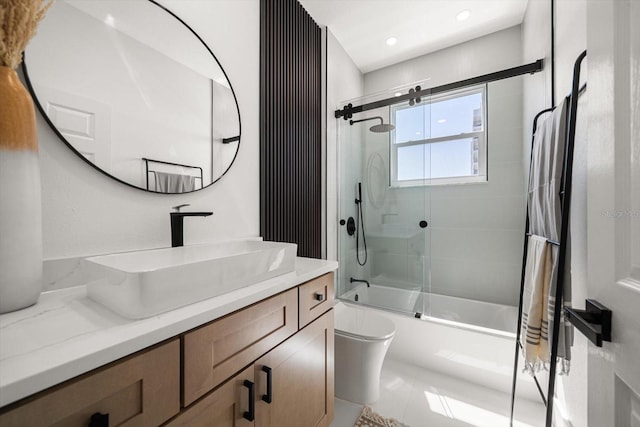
{"type": "Point", "coordinates": [63, 139]}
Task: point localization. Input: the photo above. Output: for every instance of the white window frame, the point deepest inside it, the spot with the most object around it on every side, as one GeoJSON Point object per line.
{"type": "Point", "coordinates": [481, 135]}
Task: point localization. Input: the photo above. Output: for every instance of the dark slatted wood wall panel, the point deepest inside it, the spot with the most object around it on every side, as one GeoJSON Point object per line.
{"type": "Point", "coordinates": [290, 126]}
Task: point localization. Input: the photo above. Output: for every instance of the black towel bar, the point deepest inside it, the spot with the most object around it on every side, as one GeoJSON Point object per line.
{"type": "Point", "coordinates": [594, 322]}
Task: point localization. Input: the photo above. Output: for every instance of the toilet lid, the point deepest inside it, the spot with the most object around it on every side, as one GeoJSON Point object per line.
{"type": "Point", "coordinates": [363, 324]}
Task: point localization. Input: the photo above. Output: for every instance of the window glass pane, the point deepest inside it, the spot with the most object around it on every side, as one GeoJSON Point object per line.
{"type": "Point", "coordinates": [409, 124]}
{"type": "Point", "coordinates": [456, 115]}
{"type": "Point", "coordinates": [438, 160]}
{"type": "Point", "coordinates": [454, 158]}
{"type": "Point", "coordinates": [413, 162]}
{"type": "Point", "coordinates": [435, 127]}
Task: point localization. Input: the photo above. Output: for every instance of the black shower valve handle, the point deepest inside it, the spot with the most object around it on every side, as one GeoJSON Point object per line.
{"type": "Point", "coordinates": [351, 226]}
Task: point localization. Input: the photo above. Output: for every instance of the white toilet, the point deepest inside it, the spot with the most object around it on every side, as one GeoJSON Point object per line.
{"type": "Point", "coordinates": [362, 339]}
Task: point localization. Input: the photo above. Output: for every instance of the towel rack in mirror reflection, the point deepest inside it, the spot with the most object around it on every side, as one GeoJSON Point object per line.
{"type": "Point", "coordinates": [148, 171]}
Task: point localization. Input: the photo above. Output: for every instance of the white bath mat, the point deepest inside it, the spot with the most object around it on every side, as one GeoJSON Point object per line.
{"type": "Point", "coordinates": [368, 418]}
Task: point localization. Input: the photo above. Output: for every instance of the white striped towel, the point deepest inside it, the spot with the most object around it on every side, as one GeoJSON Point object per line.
{"type": "Point", "coordinates": [534, 330]}
{"type": "Point", "coordinates": [547, 162]}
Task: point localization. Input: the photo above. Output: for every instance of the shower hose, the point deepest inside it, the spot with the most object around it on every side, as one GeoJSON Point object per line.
{"type": "Point", "coordinates": [360, 226]}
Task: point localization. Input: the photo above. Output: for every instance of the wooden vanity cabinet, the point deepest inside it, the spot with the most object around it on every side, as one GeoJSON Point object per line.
{"type": "Point", "coordinates": [214, 352]}
{"type": "Point", "coordinates": [291, 386]}
{"type": "Point", "coordinates": [227, 406]}
{"type": "Point", "coordinates": [141, 390]}
{"type": "Point", "coordinates": [301, 374]}
{"type": "Point", "coordinates": [267, 365]}
{"type": "Point", "coordinates": [314, 298]}
{"type": "Point", "coordinates": [286, 344]}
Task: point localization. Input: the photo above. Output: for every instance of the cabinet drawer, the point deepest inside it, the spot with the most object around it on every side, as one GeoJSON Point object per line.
{"type": "Point", "coordinates": [142, 390]}
{"type": "Point", "coordinates": [215, 352]}
{"type": "Point", "coordinates": [315, 298]}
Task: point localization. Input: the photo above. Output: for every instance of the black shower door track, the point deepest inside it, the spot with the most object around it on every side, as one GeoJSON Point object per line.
{"type": "Point", "coordinates": [349, 110]}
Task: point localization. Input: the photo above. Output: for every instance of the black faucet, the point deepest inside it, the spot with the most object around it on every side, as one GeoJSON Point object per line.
{"type": "Point", "coordinates": [177, 230]}
{"type": "Point", "coordinates": [352, 280]}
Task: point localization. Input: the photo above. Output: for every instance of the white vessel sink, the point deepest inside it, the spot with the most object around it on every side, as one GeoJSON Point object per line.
{"type": "Point", "coordinates": [145, 283]}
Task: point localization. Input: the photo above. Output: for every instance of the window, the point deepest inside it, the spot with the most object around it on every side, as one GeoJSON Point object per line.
{"type": "Point", "coordinates": [442, 140]}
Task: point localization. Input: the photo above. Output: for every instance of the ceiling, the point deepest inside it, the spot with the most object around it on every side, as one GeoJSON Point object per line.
{"type": "Point", "coordinates": [420, 26]}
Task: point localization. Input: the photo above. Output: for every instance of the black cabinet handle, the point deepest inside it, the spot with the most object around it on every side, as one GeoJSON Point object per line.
{"type": "Point", "coordinates": [319, 296]}
{"type": "Point", "coordinates": [99, 420]}
{"type": "Point", "coordinates": [267, 397]}
{"type": "Point", "coordinates": [251, 413]}
{"type": "Point", "coordinates": [423, 224]}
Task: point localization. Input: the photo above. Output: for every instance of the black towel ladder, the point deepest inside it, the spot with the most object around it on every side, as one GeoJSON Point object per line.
{"type": "Point", "coordinates": [565, 202]}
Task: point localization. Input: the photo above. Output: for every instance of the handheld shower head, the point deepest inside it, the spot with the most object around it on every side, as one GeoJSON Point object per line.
{"type": "Point", "coordinates": [360, 227]}
{"type": "Point", "coordinates": [380, 128]}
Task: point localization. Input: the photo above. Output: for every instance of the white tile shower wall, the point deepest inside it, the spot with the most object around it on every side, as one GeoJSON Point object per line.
{"type": "Point", "coordinates": [473, 245]}
{"type": "Point", "coordinates": [86, 213]}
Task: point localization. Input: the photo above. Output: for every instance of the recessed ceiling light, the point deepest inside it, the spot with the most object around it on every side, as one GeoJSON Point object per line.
{"type": "Point", "coordinates": [442, 121]}
{"type": "Point", "coordinates": [398, 94]}
{"type": "Point", "coordinates": [463, 16]}
{"type": "Point", "coordinates": [418, 133]}
{"type": "Point", "coordinates": [391, 41]}
{"type": "Point", "coordinates": [110, 20]}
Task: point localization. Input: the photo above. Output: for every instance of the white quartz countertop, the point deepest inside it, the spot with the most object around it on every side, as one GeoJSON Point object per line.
{"type": "Point", "coordinates": [66, 334]}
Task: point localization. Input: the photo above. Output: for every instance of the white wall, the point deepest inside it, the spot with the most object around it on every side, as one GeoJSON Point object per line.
{"type": "Point", "coordinates": [570, 29]}
{"type": "Point", "coordinates": [474, 239]}
{"type": "Point", "coordinates": [84, 212]}
{"type": "Point", "coordinates": [483, 55]}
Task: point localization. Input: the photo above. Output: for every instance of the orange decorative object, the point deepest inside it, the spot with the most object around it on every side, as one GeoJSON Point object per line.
{"type": "Point", "coordinates": [17, 115]}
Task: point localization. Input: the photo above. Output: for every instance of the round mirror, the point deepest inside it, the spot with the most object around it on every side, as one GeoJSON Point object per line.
{"type": "Point", "coordinates": [135, 92]}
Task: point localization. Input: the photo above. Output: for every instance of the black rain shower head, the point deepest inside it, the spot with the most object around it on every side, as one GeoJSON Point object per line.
{"type": "Point", "coordinates": [380, 128]}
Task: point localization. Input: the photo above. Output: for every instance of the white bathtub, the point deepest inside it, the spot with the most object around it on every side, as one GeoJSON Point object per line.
{"type": "Point", "coordinates": [467, 339]}
{"type": "Point", "coordinates": [458, 310]}
{"type": "Point", "coordinates": [386, 297]}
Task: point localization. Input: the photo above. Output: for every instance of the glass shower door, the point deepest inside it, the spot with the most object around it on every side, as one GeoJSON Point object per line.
{"type": "Point", "coordinates": [384, 209]}
{"type": "Point", "coordinates": [410, 178]}
{"type": "Point", "coordinates": [349, 242]}
{"type": "Point", "coordinates": [454, 154]}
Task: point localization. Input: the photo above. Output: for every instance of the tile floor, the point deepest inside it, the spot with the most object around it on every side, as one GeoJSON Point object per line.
{"type": "Point", "coordinates": [421, 398]}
